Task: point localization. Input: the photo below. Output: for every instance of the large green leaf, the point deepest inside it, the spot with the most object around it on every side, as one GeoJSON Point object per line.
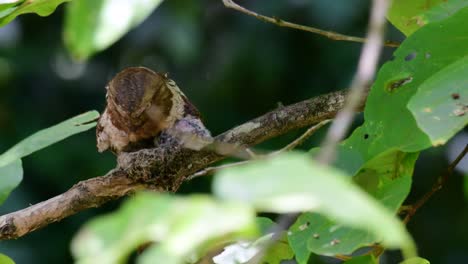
{"type": "Point", "coordinates": [386, 177]}
{"type": "Point", "coordinates": [180, 226]}
{"type": "Point", "coordinates": [9, 11]}
{"type": "Point", "coordinates": [294, 182]}
{"type": "Point", "coordinates": [409, 16]}
{"type": "Point", "coordinates": [10, 176]}
{"type": "Point", "coordinates": [49, 136]}
{"type": "Point", "coordinates": [94, 25]}
{"type": "Point", "coordinates": [388, 122]}
{"type": "Point", "coordinates": [440, 105]}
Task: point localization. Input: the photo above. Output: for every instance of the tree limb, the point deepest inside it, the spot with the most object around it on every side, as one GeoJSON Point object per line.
{"type": "Point", "coordinates": [164, 168]}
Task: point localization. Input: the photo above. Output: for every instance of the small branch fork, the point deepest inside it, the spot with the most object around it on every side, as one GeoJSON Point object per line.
{"type": "Point", "coordinates": [298, 141]}
{"type": "Point", "coordinates": [165, 168]}
{"type": "Point", "coordinates": [282, 23]}
{"type": "Point", "coordinates": [440, 182]}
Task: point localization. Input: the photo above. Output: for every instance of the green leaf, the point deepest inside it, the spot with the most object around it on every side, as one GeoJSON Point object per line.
{"type": "Point", "coordinates": [9, 12]}
{"type": "Point", "coordinates": [49, 136]}
{"type": "Point", "coordinates": [409, 16]}
{"type": "Point", "coordinates": [367, 259]}
{"type": "Point", "coordinates": [10, 176]}
{"type": "Point", "coordinates": [279, 250]}
{"type": "Point", "coordinates": [4, 259]}
{"type": "Point", "coordinates": [389, 124]}
{"type": "Point", "coordinates": [440, 105]}
{"type": "Point", "coordinates": [181, 226]}
{"type": "Point", "coordinates": [294, 182]}
{"type": "Point", "coordinates": [94, 25]}
{"type": "Point", "coordinates": [316, 233]}
{"type": "Point", "coordinates": [415, 260]}
{"type": "Point", "coordinates": [387, 178]}
{"type": "Point", "coordinates": [264, 224]}
{"type": "Point", "coordinates": [8, 7]}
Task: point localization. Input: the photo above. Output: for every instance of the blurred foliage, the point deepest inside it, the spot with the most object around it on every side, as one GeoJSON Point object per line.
{"type": "Point", "coordinates": [231, 66]}
{"type": "Point", "coordinates": [10, 9]}
{"type": "Point", "coordinates": [94, 25]}
{"type": "Point", "coordinates": [174, 226]}
{"type": "Point", "coordinates": [300, 184]}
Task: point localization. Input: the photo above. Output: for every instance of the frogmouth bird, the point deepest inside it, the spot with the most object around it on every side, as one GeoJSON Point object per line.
{"type": "Point", "coordinates": [143, 106]}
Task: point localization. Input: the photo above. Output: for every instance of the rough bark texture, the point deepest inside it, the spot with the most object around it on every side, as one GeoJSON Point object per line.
{"type": "Point", "coordinates": [165, 167]}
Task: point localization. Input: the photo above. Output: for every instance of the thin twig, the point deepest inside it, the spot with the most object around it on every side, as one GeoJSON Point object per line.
{"type": "Point", "coordinates": [213, 169]}
{"type": "Point", "coordinates": [362, 81]}
{"type": "Point", "coordinates": [298, 141]}
{"type": "Point", "coordinates": [441, 180]}
{"type": "Point", "coordinates": [282, 23]}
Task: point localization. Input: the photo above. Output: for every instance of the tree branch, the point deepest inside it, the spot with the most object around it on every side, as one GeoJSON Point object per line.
{"type": "Point", "coordinates": [86, 194]}
{"type": "Point", "coordinates": [164, 168]}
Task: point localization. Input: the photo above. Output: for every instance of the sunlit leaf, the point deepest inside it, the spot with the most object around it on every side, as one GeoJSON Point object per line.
{"type": "Point", "coordinates": [94, 25]}
{"type": "Point", "coordinates": [181, 226]}
{"type": "Point", "coordinates": [294, 182]}
{"type": "Point", "coordinates": [49, 136]}
{"type": "Point", "coordinates": [440, 105]}
{"type": "Point", "coordinates": [10, 11]}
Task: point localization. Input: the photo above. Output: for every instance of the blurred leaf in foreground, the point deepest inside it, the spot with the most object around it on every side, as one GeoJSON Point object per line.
{"type": "Point", "coordinates": [94, 25]}
{"type": "Point", "coordinates": [180, 228]}
{"type": "Point", "coordinates": [294, 182]}
{"type": "Point", "coordinates": [10, 10]}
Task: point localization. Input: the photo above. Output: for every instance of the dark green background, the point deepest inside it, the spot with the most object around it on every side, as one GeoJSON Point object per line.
{"type": "Point", "coordinates": [233, 68]}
